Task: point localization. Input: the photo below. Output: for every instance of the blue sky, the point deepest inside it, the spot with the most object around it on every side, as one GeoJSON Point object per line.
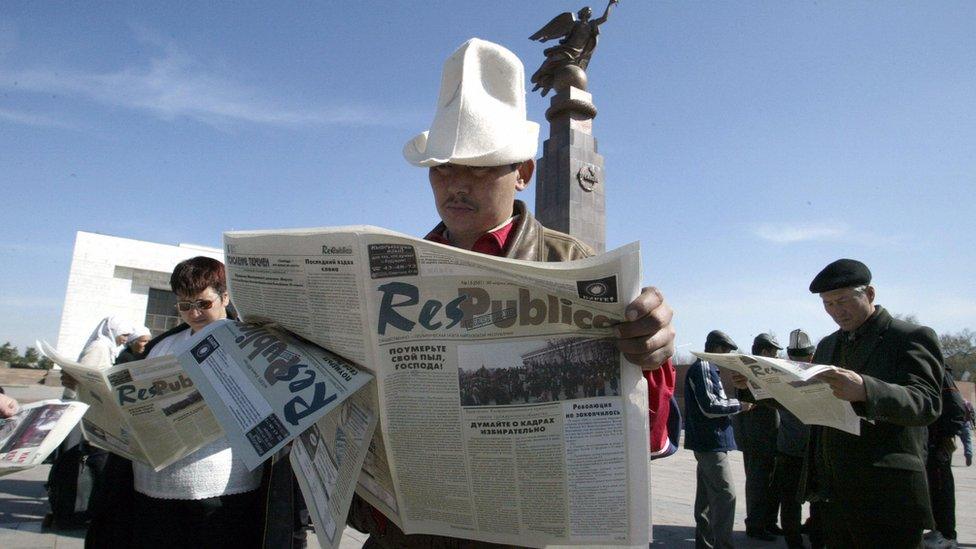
{"type": "Point", "coordinates": [747, 144]}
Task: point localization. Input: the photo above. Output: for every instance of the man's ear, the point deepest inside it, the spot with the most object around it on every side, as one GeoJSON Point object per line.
{"type": "Point", "coordinates": [869, 291]}
{"type": "Point", "coordinates": [525, 171]}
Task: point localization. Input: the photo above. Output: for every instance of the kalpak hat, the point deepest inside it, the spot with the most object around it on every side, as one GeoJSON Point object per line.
{"type": "Point", "coordinates": [800, 344]}
{"type": "Point", "coordinates": [481, 117]}
{"type": "Point", "coordinates": [843, 273]}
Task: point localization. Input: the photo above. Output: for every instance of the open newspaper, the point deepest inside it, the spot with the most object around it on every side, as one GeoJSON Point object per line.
{"type": "Point", "coordinates": [30, 435]}
{"type": "Point", "coordinates": [506, 413]}
{"type": "Point", "coordinates": [328, 459]}
{"type": "Point", "coordinates": [791, 383]}
{"type": "Point", "coordinates": [146, 410]}
{"type": "Point", "coordinates": [265, 386]}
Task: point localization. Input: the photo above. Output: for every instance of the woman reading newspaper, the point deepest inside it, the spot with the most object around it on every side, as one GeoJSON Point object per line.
{"type": "Point", "coordinates": [208, 498]}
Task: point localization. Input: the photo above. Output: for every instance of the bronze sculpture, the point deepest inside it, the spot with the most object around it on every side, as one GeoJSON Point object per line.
{"type": "Point", "coordinates": [566, 62]}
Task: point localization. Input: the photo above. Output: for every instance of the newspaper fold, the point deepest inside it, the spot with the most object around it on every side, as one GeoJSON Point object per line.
{"type": "Point", "coordinates": [264, 386]}
{"type": "Point", "coordinates": [146, 410]}
{"type": "Point", "coordinates": [506, 413]}
{"type": "Point", "coordinates": [30, 435]}
{"type": "Point", "coordinates": [791, 383]}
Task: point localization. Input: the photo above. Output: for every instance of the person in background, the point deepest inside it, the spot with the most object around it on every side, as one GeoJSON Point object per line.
{"type": "Point", "coordinates": [757, 433]}
{"type": "Point", "coordinates": [135, 345]}
{"type": "Point", "coordinates": [791, 446]}
{"type": "Point", "coordinates": [206, 499]}
{"type": "Point", "coordinates": [966, 434]}
{"type": "Point", "coordinates": [105, 343]}
{"type": "Point", "coordinates": [938, 465]}
{"type": "Point", "coordinates": [708, 433]}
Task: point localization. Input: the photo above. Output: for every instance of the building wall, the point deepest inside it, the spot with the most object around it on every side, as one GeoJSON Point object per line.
{"type": "Point", "coordinates": [111, 276]}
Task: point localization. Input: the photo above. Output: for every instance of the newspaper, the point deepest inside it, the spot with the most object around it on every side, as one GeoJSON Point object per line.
{"type": "Point", "coordinates": [264, 386]}
{"type": "Point", "coordinates": [327, 459]}
{"type": "Point", "coordinates": [506, 412]}
{"type": "Point", "coordinates": [30, 435]}
{"type": "Point", "coordinates": [791, 383]}
{"type": "Point", "coordinates": [146, 410]}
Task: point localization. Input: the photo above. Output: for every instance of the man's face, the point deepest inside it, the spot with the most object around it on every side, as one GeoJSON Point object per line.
{"type": "Point", "coordinates": [473, 200]}
{"type": "Point", "coordinates": [723, 349]}
{"type": "Point", "coordinates": [801, 358]}
{"type": "Point", "coordinates": [769, 352]}
{"type": "Point", "coordinates": [848, 308]}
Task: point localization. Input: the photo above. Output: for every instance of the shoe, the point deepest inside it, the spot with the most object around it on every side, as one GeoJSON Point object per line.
{"type": "Point", "coordinates": [795, 543]}
{"type": "Point", "coordinates": [774, 530]}
{"type": "Point", "coordinates": [760, 534]}
{"type": "Point", "coordinates": [935, 540]}
{"type": "Point", "coordinates": [969, 460]}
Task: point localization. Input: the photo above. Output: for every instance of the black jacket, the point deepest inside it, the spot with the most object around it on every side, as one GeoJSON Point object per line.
{"type": "Point", "coordinates": [879, 476]}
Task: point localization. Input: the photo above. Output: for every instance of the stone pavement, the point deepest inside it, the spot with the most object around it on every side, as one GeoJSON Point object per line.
{"type": "Point", "coordinates": [23, 502]}
{"type": "Point", "coordinates": [23, 505]}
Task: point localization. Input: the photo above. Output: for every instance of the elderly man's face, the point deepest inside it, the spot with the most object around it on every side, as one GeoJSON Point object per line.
{"type": "Point", "coordinates": [849, 308]}
{"type": "Point", "coordinates": [473, 200]}
{"type": "Point", "coordinates": [769, 352]}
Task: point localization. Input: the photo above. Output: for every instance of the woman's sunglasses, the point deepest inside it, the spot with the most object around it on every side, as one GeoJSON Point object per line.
{"type": "Point", "coordinates": [202, 304]}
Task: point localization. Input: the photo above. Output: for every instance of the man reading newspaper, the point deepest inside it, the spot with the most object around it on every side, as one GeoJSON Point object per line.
{"type": "Point", "coordinates": [479, 152]}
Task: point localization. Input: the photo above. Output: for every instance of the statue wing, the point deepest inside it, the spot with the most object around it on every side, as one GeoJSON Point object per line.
{"type": "Point", "coordinates": [560, 26]}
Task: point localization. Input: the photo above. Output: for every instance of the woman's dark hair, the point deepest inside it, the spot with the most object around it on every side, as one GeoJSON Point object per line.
{"type": "Point", "coordinates": [196, 274]}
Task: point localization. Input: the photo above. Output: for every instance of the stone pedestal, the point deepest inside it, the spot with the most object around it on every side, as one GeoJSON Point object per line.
{"type": "Point", "coordinates": [569, 194]}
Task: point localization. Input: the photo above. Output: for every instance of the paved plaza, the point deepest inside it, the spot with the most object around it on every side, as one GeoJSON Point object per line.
{"type": "Point", "coordinates": [23, 502]}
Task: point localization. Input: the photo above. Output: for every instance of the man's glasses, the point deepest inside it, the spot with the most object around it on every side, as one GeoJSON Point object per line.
{"type": "Point", "coordinates": [202, 304]}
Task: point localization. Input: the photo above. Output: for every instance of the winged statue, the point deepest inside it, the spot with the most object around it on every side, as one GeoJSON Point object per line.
{"type": "Point", "coordinates": [578, 37]}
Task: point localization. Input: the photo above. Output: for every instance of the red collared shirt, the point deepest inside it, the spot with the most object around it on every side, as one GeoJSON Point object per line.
{"type": "Point", "coordinates": [491, 243]}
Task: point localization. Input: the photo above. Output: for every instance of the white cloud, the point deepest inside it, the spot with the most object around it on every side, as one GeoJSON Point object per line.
{"type": "Point", "coordinates": [173, 84]}
{"type": "Point", "coordinates": [789, 233]}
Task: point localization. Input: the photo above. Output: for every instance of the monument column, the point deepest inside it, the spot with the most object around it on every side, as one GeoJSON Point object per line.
{"type": "Point", "coordinates": [570, 195]}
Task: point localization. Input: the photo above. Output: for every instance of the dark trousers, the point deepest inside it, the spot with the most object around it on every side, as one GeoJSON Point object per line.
{"type": "Point", "coordinates": [787, 481]}
{"type": "Point", "coordinates": [942, 494]}
{"type": "Point", "coordinates": [762, 502]}
{"type": "Point", "coordinates": [844, 531]}
{"type": "Point", "coordinates": [234, 521]}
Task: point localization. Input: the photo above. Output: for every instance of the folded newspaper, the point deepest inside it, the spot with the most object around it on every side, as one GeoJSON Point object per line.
{"type": "Point", "coordinates": [30, 435]}
{"type": "Point", "coordinates": [264, 386]}
{"type": "Point", "coordinates": [506, 413]}
{"type": "Point", "coordinates": [791, 383]}
{"type": "Point", "coordinates": [146, 410]}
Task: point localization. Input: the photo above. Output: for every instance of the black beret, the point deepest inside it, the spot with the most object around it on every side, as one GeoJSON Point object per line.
{"type": "Point", "coordinates": [843, 273]}
{"type": "Point", "coordinates": [766, 340]}
{"type": "Point", "coordinates": [717, 337]}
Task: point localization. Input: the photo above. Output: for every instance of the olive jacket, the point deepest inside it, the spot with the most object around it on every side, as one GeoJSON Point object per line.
{"type": "Point", "coordinates": [879, 476]}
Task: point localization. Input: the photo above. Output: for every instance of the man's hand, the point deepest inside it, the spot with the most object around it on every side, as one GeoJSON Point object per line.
{"type": "Point", "coordinates": [647, 339]}
{"type": "Point", "coordinates": [739, 381]}
{"type": "Point", "coordinates": [846, 384]}
{"type": "Point", "coordinates": [8, 406]}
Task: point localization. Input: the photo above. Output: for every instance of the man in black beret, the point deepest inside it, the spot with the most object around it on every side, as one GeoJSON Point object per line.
{"type": "Point", "coordinates": [891, 373]}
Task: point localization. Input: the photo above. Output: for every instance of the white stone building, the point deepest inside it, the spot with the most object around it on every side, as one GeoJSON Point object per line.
{"type": "Point", "coordinates": [113, 276]}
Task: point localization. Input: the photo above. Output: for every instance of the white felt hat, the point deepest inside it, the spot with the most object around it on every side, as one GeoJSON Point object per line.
{"type": "Point", "coordinates": [480, 118]}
